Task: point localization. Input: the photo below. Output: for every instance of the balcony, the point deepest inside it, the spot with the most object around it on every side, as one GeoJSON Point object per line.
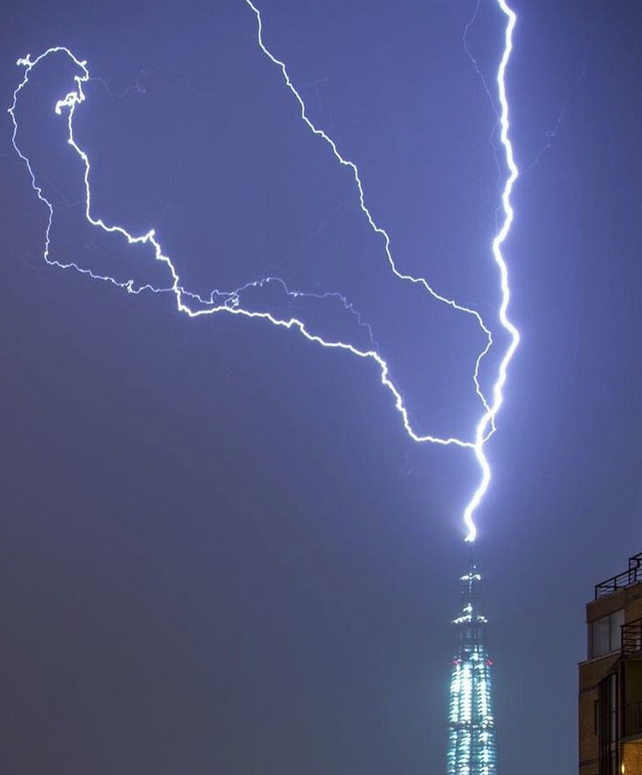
{"type": "Point", "coordinates": [631, 576]}
{"type": "Point", "coordinates": [631, 638]}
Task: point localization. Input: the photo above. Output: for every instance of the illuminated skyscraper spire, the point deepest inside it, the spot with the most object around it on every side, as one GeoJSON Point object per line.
{"type": "Point", "coordinates": [472, 747]}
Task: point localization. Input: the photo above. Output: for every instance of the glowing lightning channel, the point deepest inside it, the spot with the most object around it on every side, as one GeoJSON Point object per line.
{"type": "Point", "coordinates": [486, 426]}
{"type": "Point", "coordinates": [371, 221]}
{"type": "Point", "coordinates": [219, 301]}
{"type": "Point", "coordinates": [194, 305]}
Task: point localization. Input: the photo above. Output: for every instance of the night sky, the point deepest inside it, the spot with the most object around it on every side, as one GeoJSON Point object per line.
{"type": "Point", "coordinates": [219, 550]}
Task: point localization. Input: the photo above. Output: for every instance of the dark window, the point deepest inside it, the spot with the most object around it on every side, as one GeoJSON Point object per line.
{"type": "Point", "coordinates": [607, 726]}
{"type": "Point", "coordinates": [605, 634]}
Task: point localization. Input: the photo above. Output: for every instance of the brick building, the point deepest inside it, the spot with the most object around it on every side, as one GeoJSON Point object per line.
{"type": "Point", "coordinates": [610, 698]}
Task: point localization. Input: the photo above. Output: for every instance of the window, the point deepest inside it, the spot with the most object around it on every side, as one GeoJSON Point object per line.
{"type": "Point", "coordinates": [617, 620]}
{"type": "Point", "coordinates": [607, 726]}
{"type": "Point", "coordinates": [605, 634]}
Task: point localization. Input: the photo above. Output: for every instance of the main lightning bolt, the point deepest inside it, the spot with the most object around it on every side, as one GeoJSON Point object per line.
{"type": "Point", "coordinates": [486, 426]}
{"type": "Point", "coordinates": [195, 305]}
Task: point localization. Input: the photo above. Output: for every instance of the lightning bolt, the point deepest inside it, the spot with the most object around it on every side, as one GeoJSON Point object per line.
{"type": "Point", "coordinates": [194, 305]}
{"type": "Point", "coordinates": [486, 427]}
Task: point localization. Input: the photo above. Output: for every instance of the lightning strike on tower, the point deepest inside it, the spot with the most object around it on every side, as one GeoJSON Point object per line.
{"type": "Point", "coordinates": [472, 744]}
{"type": "Point", "coordinates": [194, 305]}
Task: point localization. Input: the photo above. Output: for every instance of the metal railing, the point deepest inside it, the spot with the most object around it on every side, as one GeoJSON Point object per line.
{"type": "Point", "coordinates": [632, 637]}
{"type": "Point", "coordinates": [633, 718]}
{"type": "Point", "coordinates": [631, 576]}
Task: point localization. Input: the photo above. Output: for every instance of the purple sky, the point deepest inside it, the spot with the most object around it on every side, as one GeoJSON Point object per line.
{"type": "Point", "coordinates": [220, 552]}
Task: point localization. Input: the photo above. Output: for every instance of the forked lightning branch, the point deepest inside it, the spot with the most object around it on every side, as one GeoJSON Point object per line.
{"type": "Point", "coordinates": [194, 305]}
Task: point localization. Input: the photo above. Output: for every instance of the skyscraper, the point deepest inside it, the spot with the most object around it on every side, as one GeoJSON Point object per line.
{"type": "Point", "coordinates": [472, 746]}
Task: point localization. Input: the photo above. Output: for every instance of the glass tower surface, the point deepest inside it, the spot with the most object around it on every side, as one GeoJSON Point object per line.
{"type": "Point", "coordinates": [472, 745]}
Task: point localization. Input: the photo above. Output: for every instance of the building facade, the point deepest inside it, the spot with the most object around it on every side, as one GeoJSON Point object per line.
{"type": "Point", "coordinates": [472, 746]}
{"type": "Point", "coordinates": [610, 680]}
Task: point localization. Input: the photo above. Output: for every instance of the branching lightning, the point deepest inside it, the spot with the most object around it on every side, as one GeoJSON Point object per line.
{"type": "Point", "coordinates": [194, 305]}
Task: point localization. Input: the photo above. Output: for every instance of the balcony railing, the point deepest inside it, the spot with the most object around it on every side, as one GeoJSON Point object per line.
{"type": "Point", "coordinates": [631, 576]}
{"type": "Point", "coordinates": [633, 718]}
{"type": "Point", "coordinates": [632, 637]}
